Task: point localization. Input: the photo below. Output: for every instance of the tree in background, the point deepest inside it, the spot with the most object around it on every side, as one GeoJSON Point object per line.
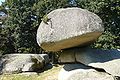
{"type": "Point", "coordinates": [24, 17]}
{"type": "Point", "coordinates": [20, 33]}
{"type": "Point", "coordinates": [109, 12]}
{"type": "Point", "coordinates": [4, 37]}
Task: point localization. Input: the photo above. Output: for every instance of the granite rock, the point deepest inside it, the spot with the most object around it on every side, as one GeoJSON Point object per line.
{"type": "Point", "coordinates": [107, 60]}
{"type": "Point", "coordinates": [82, 72]}
{"type": "Point", "coordinates": [69, 27]}
{"type": "Point", "coordinates": [17, 63]}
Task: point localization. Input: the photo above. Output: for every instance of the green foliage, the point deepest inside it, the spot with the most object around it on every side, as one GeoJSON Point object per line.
{"type": "Point", "coordinates": [45, 19]}
{"type": "Point", "coordinates": [108, 41]}
{"type": "Point", "coordinates": [24, 17]}
{"type": "Point", "coordinates": [20, 24]}
{"type": "Point", "coordinates": [109, 12]}
{"type": "Point", "coordinates": [43, 7]}
{"type": "Point", "coordinates": [6, 41]}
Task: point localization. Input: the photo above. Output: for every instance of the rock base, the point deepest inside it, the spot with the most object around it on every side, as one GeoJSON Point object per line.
{"type": "Point", "coordinates": [82, 72]}
{"type": "Point", "coordinates": [106, 60]}
{"type": "Point", "coordinates": [17, 63]}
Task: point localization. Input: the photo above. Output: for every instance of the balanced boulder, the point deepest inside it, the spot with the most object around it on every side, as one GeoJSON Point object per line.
{"type": "Point", "coordinates": [66, 28]}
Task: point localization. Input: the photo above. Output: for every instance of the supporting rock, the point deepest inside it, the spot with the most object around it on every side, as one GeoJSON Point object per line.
{"type": "Point", "coordinates": [105, 59]}
{"type": "Point", "coordinates": [82, 72]}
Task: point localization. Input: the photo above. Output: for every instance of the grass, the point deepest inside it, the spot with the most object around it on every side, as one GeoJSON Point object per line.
{"type": "Point", "coordinates": [50, 74]}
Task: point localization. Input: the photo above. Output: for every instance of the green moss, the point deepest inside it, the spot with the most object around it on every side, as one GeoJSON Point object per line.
{"type": "Point", "coordinates": [45, 19]}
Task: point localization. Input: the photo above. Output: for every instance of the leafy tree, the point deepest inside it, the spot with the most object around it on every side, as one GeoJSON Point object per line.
{"type": "Point", "coordinates": [109, 12]}
{"type": "Point", "coordinates": [19, 23]}
{"type": "Point", "coordinates": [4, 42]}
{"type": "Point", "coordinates": [24, 17]}
{"type": "Point", "coordinates": [43, 7]}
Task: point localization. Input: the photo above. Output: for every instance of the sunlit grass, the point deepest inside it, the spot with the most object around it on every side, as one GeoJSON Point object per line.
{"type": "Point", "coordinates": [50, 74]}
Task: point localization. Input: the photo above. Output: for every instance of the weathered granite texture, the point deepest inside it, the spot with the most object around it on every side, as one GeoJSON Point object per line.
{"type": "Point", "coordinates": [16, 63]}
{"type": "Point", "coordinates": [68, 28]}
{"type": "Point", "coordinates": [107, 60]}
{"type": "Point", "coordinates": [82, 72]}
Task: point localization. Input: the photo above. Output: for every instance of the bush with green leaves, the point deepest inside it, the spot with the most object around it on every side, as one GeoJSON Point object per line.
{"type": "Point", "coordinates": [109, 12]}
{"type": "Point", "coordinates": [24, 17]}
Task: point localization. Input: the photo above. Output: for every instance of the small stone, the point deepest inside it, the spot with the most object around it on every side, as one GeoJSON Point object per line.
{"type": "Point", "coordinates": [45, 57]}
{"type": "Point", "coordinates": [67, 56]}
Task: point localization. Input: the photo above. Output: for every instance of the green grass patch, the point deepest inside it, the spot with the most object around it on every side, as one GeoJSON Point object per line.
{"type": "Point", "coordinates": [50, 74]}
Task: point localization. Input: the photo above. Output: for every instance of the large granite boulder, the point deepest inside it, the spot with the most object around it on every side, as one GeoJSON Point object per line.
{"type": "Point", "coordinates": [16, 63]}
{"type": "Point", "coordinates": [69, 27]}
{"type": "Point", "coordinates": [107, 60]}
{"type": "Point", "coordinates": [82, 72]}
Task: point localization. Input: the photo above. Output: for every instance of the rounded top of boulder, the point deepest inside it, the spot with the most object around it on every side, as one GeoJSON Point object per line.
{"type": "Point", "coordinates": [68, 27]}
